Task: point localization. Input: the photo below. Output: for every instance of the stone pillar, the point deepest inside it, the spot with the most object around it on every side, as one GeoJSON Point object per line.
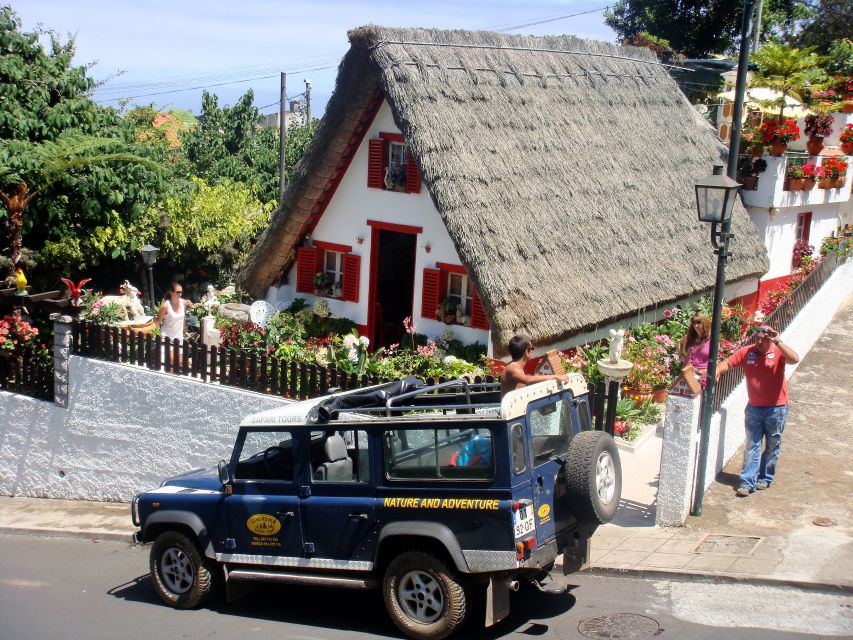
{"type": "Point", "coordinates": [63, 336]}
{"type": "Point", "coordinates": [678, 460]}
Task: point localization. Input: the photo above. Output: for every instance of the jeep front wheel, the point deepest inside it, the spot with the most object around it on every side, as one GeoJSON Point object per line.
{"type": "Point", "coordinates": [179, 572]}
{"type": "Point", "coordinates": [423, 597]}
{"type": "Point", "coordinates": [594, 477]}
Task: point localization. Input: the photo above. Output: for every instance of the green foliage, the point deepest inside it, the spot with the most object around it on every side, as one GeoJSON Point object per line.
{"type": "Point", "coordinates": [80, 159]}
{"type": "Point", "coordinates": [583, 360]}
{"type": "Point", "coordinates": [696, 28]}
{"type": "Point", "coordinates": [825, 22]}
{"type": "Point", "coordinates": [786, 69]}
{"type": "Point", "coordinates": [839, 58]}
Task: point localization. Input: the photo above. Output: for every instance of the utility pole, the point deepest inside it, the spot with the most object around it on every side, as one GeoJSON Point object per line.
{"type": "Point", "coordinates": [757, 25]}
{"type": "Point", "coordinates": [282, 138]}
{"type": "Point", "coordinates": [307, 101]}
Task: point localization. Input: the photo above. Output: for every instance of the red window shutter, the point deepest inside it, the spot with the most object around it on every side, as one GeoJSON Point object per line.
{"type": "Point", "coordinates": [351, 276]}
{"type": "Point", "coordinates": [376, 164]}
{"type": "Point", "coordinates": [478, 314]}
{"type": "Point", "coordinates": [431, 293]}
{"type": "Point", "coordinates": [413, 176]}
{"type": "Point", "coordinates": [306, 268]}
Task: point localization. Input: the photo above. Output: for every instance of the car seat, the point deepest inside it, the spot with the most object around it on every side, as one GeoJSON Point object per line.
{"type": "Point", "coordinates": [338, 465]}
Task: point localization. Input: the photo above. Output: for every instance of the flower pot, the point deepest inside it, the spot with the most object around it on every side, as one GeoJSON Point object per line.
{"type": "Point", "coordinates": [848, 103]}
{"type": "Point", "coordinates": [814, 145]}
{"type": "Point", "coordinates": [808, 184]}
{"type": "Point", "coordinates": [794, 184]}
{"type": "Point", "coordinates": [825, 183]}
{"type": "Point", "coordinates": [847, 148]}
{"type": "Point", "coordinates": [659, 395]}
{"type": "Point", "coordinates": [750, 183]}
{"type": "Point", "coordinates": [838, 183]}
{"type": "Point", "coordinates": [778, 148]}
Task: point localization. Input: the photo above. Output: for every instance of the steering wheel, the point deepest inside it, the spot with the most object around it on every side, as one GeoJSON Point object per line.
{"type": "Point", "coordinates": [269, 463]}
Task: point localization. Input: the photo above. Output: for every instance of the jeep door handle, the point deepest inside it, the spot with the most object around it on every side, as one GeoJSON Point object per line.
{"type": "Point", "coordinates": [286, 514]}
{"type": "Point", "coordinates": [359, 516]}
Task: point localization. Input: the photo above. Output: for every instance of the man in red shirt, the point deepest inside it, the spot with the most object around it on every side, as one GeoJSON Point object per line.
{"type": "Point", "coordinates": [764, 369]}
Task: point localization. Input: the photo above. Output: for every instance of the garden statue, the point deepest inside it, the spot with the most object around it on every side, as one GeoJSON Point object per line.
{"type": "Point", "coordinates": [209, 301]}
{"type": "Point", "coordinates": [614, 368]}
{"type": "Point", "coordinates": [616, 340]}
{"type": "Point", "coordinates": [20, 282]}
{"type": "Point", "coordinates": [129, 302]}
{"type": "Point", "coordinates": [75, 291]}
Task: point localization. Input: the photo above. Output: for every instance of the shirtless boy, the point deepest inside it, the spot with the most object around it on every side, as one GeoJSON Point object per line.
{"type": "Point", "coordinates": [513, 377]}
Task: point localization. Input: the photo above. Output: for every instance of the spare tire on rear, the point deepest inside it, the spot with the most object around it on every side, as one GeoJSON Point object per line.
{"type": "Point", "coordinates": [593, 477]}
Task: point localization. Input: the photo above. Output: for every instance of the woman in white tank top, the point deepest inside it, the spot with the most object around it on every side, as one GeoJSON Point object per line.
{"type": "Point", "coordinates": [172, 316]}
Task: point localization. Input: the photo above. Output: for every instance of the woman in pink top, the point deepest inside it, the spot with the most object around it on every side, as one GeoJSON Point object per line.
{"type": "Point", "coordinates": [696, 345]}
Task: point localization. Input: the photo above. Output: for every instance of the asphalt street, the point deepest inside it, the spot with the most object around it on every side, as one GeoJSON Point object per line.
{"type": "Point", "coordinates": [63, 587]}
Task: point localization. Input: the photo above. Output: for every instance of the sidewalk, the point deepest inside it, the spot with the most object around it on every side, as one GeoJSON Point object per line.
{"type": "Point", "coordinates": [799, 532]}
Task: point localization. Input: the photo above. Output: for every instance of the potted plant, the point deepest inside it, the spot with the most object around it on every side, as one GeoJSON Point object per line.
{"type": "Point", "coordinates": [846, 139]}
{"type": "Point", "coordinates": [750, 167]}
{"type": "Point", "coordinates": [818, 126]}
{"type": "Point", "coordinates": [802, 249]}
{"type": "Point", "coordinates": [447, 310]}
{"type": "Point", "coordinates": [322, 284]}
{"type": "Point", "coordinates": [778, 132]}
{"type": "Point", "coordinates": [794, 175]}
{"type": "Point", "coordinates": [811, 173]}
{"type": "Point", "coordinates": [833, 172]}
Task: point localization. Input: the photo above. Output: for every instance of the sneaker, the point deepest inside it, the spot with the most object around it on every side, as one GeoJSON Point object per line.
{"type": "Point", "coordinates": [742, 492]}
{"type": "Point", "coordinates": [761, 486]}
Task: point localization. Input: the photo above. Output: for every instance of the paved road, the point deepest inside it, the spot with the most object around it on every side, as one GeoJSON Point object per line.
{"type": "Point", "coordinates": [63, 587]}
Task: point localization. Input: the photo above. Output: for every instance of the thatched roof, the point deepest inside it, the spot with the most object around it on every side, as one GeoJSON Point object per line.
{"type": "Point", "coordinates": [563, 169]}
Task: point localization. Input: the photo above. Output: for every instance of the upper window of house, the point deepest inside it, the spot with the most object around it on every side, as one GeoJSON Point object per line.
{"type": "Point", "coordinates": [333, 269]}
{"type": "Point", "coordinates": [459, 289]}
{"type": "Point", "coordinates": [398, 156]}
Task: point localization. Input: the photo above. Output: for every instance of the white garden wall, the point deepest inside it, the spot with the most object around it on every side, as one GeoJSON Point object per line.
{"type": "Point", "coordinates": [125, 429]}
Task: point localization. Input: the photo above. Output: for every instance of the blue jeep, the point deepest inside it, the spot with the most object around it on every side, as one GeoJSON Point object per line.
{"type": "Point", "coordinates": [427, 492]}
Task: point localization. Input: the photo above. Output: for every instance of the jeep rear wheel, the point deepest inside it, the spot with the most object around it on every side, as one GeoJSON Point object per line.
{"type": "Point", "coordinates": [179, 571]}
{"type": "Point", "coordinates": [423, 597]}
{"type": "Point", "coordinates": [594, 477]}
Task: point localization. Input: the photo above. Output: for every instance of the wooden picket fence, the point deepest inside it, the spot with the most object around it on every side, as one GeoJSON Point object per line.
{"type": "Point", "coordinates": [23, 372]}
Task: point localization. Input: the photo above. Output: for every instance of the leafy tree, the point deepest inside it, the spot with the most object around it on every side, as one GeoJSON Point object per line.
{"type": "Point", "coordinates": [698, 28]}
{"type": "Point", "coordinates": [827, 21]}
{"type": "Point", "coordinates": [786, 69]}
{"type": "Point", "coordinates": [80, 159]}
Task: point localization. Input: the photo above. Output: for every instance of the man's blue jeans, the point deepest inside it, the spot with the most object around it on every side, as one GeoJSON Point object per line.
{"type": "Point", "coordinates": [762, 423]}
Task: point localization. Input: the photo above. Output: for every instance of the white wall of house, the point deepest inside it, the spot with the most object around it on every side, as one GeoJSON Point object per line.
{"type": "Point", "coordinates": [779, 232]}
{"type": "Point", "coordinates": [125, 429]}
{"type": "Point", "coordinates": [345, 221]}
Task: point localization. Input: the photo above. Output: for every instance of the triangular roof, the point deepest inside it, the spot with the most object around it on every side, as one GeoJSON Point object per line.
{"type": "Point", "coordinates": [563, 169]}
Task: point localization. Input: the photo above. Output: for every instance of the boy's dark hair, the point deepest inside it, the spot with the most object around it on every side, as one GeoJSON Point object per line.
{"type": "Point", "coordinates": [518, 345]}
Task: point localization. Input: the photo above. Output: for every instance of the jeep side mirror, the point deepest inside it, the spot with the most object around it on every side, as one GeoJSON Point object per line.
{"type": "Point", "coordinates": [224, 476]}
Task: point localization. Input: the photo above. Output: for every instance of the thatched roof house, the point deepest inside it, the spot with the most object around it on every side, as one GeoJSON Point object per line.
{"type": "Point", "coordinates": [562, 169]}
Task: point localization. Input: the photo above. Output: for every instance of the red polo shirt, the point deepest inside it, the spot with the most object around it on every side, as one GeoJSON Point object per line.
{"type": "Point", "coordinates": [765, 375]}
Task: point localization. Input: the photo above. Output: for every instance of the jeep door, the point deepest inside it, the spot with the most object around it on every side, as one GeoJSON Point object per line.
{"type": "Point", "coordinates": [550, 431]}
{"type": "Point", "coordinates": [262, 513]}
{"type": "Point", "coordinates": [337, 501]}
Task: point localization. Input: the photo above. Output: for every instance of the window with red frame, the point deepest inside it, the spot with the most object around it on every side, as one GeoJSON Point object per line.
{"type": "Point", "coordinates": [391, 165]}
{"type": "Point", "coordinates": [451, 281]}
{"type": "Point", "coordinates": [329, 270]}
{"type": "Point", "coordinates": [804, 226]}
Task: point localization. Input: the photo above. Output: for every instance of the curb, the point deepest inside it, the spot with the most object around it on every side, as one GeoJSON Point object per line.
{"type": "Point", "coordinates": [728, 578]}
{"type": "Point", "coordinates": [95, 536]}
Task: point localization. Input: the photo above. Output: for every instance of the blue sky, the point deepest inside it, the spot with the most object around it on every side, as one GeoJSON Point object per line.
{"type": "Point", "coordinates": [148, 50]}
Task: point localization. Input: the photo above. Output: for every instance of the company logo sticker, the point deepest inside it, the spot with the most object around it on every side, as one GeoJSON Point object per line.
{"type": "Point", "coordinates": [263, 525]}
{"type": "Point", "coordinates": [544, 510]}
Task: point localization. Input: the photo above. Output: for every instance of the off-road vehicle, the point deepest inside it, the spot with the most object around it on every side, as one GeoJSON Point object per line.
{"type": "Point", "coordinates": [435, 494]}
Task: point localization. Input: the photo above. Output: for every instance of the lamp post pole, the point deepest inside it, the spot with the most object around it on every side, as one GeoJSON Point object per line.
{"type": "Point", "coordinates": [722, 251]}
{"type": "Point", "coordinates": [151, 286]}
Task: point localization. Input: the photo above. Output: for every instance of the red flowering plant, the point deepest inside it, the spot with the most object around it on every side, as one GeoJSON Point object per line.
{"type": "Point", "coordinates": [779, 130]}
{"type": "Point", "coordinates": [802, 251]}
{"type": "Point", "coordinates": [652, 360]}
{"type": "Point", "coordinates": [847, 134]}
{"type": "Point", "coordinates": [834, 168]}
{"type": "Point", "coordinates": [811, 171]}
{"type": "Point", "coordinates": [244, 336]}
{"type": "Point", "coordinates": [818, 125]}
{"type": "Point", "coordinates": [16, 333]}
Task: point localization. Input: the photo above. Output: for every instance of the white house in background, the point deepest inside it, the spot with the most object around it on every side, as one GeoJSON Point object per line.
{"type": "Point", "coordinates": [542, 185]}
{"type": "Point", "coordinates": [785, 217]}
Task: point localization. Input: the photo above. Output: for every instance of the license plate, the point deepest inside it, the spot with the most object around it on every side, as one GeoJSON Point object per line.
{"type": "Point", "coordinates": [523, 521]}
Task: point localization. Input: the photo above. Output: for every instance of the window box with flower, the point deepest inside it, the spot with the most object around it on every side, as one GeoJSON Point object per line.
{"type": "Point", "coordinates": [793, 177]}
{"type": "Point", "coordinates": [776, 133]}
{"type": "Point", "coordinates": [833, 173]}
{"type": "Point", "coordinates": [811, 173]}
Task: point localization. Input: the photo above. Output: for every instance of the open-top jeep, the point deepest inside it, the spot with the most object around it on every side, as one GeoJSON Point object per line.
{"type": "Point", "coordinates": [429, 492]}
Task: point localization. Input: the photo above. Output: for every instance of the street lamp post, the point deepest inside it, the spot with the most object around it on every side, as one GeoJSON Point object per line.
{"type": "Point", "coordinates": [715, 197]}
{"type": "Point", "coordinates": [149, 258]}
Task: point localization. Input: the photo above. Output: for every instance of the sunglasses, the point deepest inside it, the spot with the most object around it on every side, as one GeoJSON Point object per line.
{"type": "Point", "coordinates": [178, 293]}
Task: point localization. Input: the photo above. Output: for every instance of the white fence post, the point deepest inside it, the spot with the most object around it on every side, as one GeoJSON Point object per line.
{"type": "Point", "coordinates": [678, 460]}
